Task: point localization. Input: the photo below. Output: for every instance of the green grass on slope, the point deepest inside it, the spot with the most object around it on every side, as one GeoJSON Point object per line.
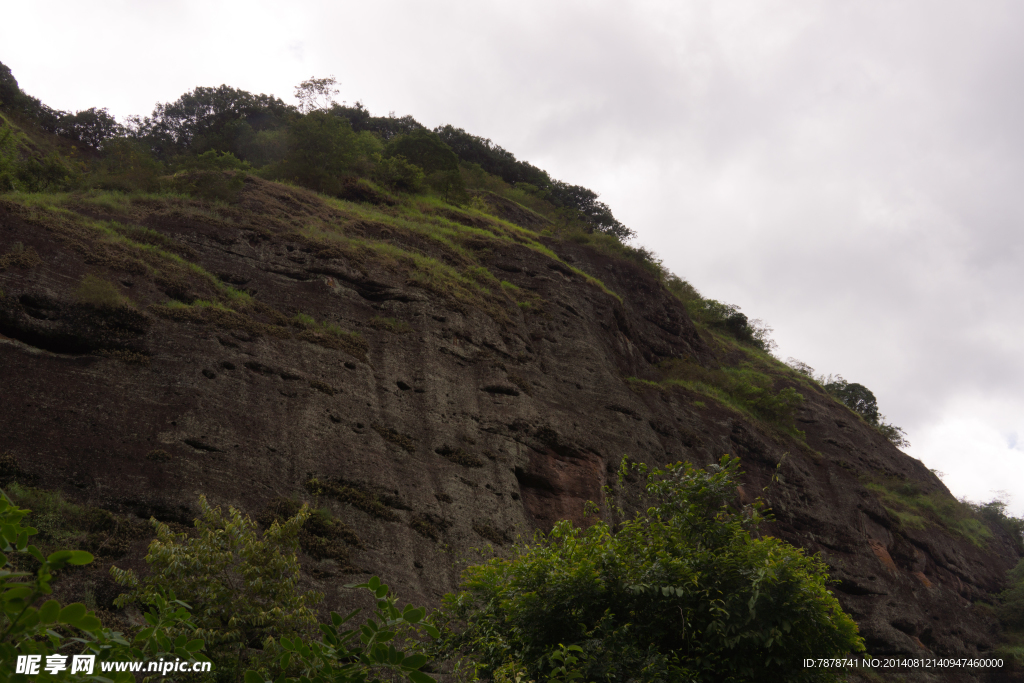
{"type": "Point", "coordinates": [435, 246]}
{"type": "Point", "coordinates": [916, 509]}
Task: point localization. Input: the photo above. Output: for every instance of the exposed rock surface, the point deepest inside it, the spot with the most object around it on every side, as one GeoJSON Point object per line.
{"type": "Point", "coordinates": [461, 427]}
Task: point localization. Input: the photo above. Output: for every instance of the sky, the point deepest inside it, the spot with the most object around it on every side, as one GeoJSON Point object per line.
{"type": "Point", "coordinates": [842, 170]}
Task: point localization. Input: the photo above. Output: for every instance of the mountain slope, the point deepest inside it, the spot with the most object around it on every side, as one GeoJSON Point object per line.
{"type": "Point", "coordinates": [437, 378]}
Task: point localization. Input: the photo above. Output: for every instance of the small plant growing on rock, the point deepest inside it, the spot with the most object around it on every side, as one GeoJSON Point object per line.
{"type": "Point", "coordinates": [100, 293]}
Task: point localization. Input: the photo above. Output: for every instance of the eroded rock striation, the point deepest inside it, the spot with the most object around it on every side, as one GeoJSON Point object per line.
{"type": "Point", "coordinates": [251, 358]}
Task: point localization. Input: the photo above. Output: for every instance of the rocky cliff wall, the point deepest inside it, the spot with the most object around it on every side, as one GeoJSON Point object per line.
{"type": "Point", "coordinates": [455, 416]}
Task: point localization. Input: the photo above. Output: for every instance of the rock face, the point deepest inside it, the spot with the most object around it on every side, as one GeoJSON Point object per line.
{"type": "Point", "coordinates": [440, 425]}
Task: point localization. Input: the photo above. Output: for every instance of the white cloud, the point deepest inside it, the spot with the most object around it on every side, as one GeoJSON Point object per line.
{"type": "Point", "coordinates": [977, 456]}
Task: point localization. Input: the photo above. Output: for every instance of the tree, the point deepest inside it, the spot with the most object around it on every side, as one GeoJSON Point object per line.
{"type": "Point", "coordinates": [12, 98]}
{"type": "Point", "coordinates": [316, 94]}
{"type": "Point", "coordinates": [491, 157]}
{"type": "Point", "coordinates": [128, 165]}
{"type": "Point", "coordinates": [200, 120]}
{"type": "Point", "coordinates": [425, 149]}
{"type": "Point", "coordinates": [243, 588]}
{"type": "Point", "coordinates": [9, 90]}
{"type": "Point", "coordinates": [597, 214]}
{"type": "Point", "coordinates": [398, 174]}
{"type": "Point", "coordinates": [856, 397]}
{"type": "Point", "coordinates": [686, 591]}
{"type": "Point", "coordinates": [441, 165]}
{"type": "Point", "coordinates": [321, 149]}
{"type": "Point", "coordinates": [384, 127]}
{"type": "Point", "coordinates": [91, 127]}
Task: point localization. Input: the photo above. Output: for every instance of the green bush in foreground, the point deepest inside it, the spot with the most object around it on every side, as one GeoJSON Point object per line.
{"type": "Point", "coordinates": [247, 606]}
{"type": "Point", "coordinates": [341, 657]}
{"type": "Point", "coordinates": [685, 591]}
{"type": "Point", "coordinates": [31, 625]}
{"type": "Point", "coordinates": [242, 585]}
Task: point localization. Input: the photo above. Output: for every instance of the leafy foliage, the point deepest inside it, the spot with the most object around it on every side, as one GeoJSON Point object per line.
{"type": "Point", "coordinates": [321, 148]}
{"type": "Point", "coordinates": [92, 127]}
{"type": "Point", "coordinates": [212, 160]}
{"type": "Point", "coordinates": [340, 657]}
{"type": "Point", "coordinates": [30, 628]}
{"type": "Point", "coordinates": [209, 118]}
{"type": "Point", "coordinates": [729, 319]}
{"type": "Point", "coordinates": [316, 94]}
{"type": "Point", "coordinates": [857, 398]}
{"type": "Point", "coordinates": [397, 173]}
{"type": "Point", "coordinates": [243, 587]}
{"type": "Point", "coordinates": [10, 93]}
{"type": "Point", "coordinates": [425, 149]}
{"type": "Point", "coordinates": [384, 127]}
{"type": "Point", "coordinates": [128, 165]}
{"type": "Point", "coordinates": [685, 591]}
{"type": "Point", "coordinates": [1011, 600]}
{"type": "Point", "coordinates": [26, 168]}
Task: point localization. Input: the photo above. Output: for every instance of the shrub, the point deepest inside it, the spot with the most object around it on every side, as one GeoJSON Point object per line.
{"type": "Point", "coordinates": [1011, 601]}
{"type": "Point", "coordinates": [861, 400]}
{"type": "Point", "coordinates": [26, 169]}
{"type": "Point", "coordinates": [340, 657]}
{"type": "Point", "coordinates": [213, 185]}
{"type": "Point", "coordinates": [994, 512]}
{"type": "Point", "coordinates": [895, 435]}
{"type": "Point", "coordinates": [99, 292]}
{"type": "Point", "coordinates": [129, 166]}
{"type": "Point", "coordinates": [449, 186]}
{"type": "Point", "coordinates": [45, 630]}
{"type": "Point", "coordinates": [243, 588]}
{"type": "Point", "coordinates": [800, 367]}
{"type": "Point", "coordinates": [424, 149]}
{"type": "Point", "coordinates": [724, 317]}
{"type": "Point", "coordinates": [213, 160]}
{"type": "Point", "coordinates": [321, 149]}
{"type": "Point", "coordinates": [398, 174]}
{"type": "Point", "coordinates": [856, 397]}
{"type": "Point", "coordinates": [683, 591]}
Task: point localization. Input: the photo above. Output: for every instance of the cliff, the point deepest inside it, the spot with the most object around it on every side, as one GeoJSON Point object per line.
{"type": "Point", "coordinates": [437, 379]}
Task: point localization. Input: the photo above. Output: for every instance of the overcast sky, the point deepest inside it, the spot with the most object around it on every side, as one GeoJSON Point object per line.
{"type": "Point", "coordinates": [843, 170]}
